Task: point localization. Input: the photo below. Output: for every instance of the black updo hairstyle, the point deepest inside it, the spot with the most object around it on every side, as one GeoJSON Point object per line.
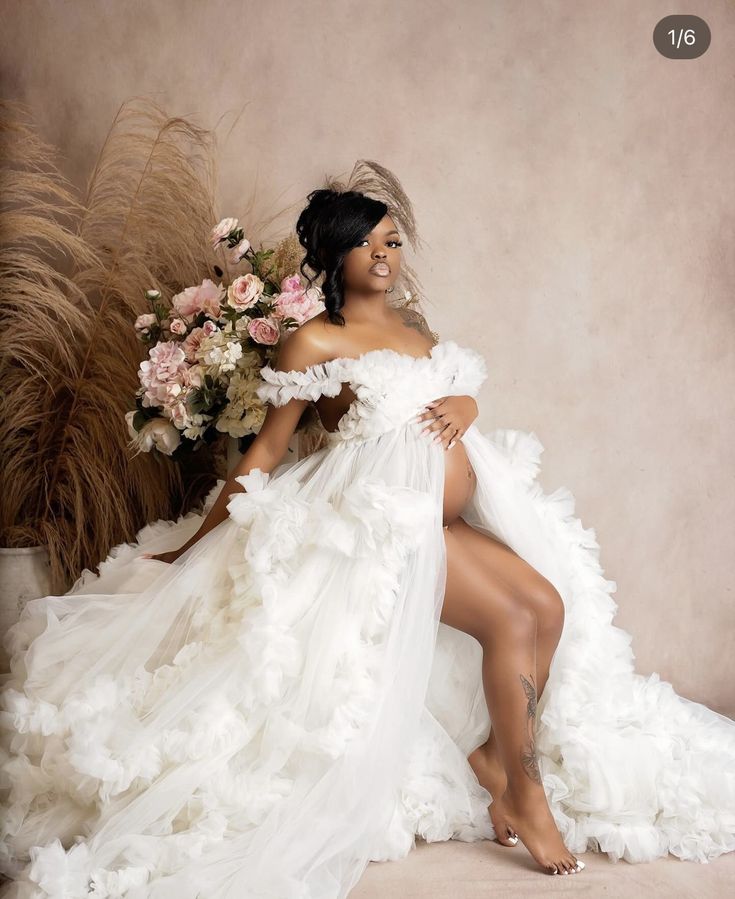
{"type": "Point", "coordinates": [333, 223]}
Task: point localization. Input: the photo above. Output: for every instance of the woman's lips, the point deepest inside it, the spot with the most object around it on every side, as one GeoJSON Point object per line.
{"type": "Point", "coordinates": [380, 269]}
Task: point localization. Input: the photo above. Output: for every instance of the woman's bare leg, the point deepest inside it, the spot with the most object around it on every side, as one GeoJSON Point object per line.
{"type": "Point", "coordinates": [488, 610]}
{"type": "Point", "coordinates": [504, 566]}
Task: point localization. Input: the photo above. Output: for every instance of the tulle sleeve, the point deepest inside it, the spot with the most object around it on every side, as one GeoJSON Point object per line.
{"type": "Point", "coordinates": [317, 380]}
{"type": "Point", "coordinates": [471, 372]}
{"type": "Point", "coordinates": [466, 366]}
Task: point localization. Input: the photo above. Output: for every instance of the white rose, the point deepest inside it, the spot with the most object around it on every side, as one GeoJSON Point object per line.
{"type": "Point", "coordinates": [178, 326]}
{"type": "Point", "coordinates": [143, 322]}
{"type": "Point", "coordinates": [222, 229]}
{"type": "Point", "coordinates": [157, 432]}
{"type": "Point", "coordinates": [236, 253]}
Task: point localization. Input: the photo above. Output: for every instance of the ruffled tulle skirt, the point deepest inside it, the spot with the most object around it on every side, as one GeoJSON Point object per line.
{"type": "Point", "coordinates": [282, 704]}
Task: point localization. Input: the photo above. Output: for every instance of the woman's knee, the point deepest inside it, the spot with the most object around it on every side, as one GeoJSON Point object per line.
{"type": "Point", "coordinates": [517, 624]}
{"type": "Point", "coordinates": [547, 604]}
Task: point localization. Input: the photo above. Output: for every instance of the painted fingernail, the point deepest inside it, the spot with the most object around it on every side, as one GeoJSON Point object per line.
{"type": "Point", "coordinates": [451, 444]}
{"type": "Point", "coordinates": [436, 438]}
{"type": "Point", "coordinates": [425, 431]}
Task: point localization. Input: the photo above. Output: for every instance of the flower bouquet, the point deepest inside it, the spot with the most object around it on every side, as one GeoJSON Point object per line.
{"type": "Point", "coordinates": [207, 348]}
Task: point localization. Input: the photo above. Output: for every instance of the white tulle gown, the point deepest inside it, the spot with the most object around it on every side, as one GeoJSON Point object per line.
{"type": "Point", "coordinates": [282, 704]}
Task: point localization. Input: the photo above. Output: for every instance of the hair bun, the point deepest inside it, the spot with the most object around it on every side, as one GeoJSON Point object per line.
{"type": "Point", "coordinates": [319, 199]}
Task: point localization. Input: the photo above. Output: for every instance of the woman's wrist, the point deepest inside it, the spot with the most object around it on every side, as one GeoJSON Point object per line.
{"type": "Point", "coordinates": [257, 456]}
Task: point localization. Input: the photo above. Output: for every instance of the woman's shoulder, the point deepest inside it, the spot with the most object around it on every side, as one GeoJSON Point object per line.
{"type": "Point", "coordinates": [307, 346]}
{"type": "Point", "coordinates": [303, 369]}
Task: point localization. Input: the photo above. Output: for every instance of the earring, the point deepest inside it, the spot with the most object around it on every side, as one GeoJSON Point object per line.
{"type": "Point", "coordinates": [390, 289]}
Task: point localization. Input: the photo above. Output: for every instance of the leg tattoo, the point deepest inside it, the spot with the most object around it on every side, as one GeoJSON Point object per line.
{"type": "Point", "coordinates": [528, 753]}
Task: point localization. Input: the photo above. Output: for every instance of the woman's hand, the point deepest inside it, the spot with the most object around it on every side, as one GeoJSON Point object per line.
{"type": "Point", "coordinates": [163, 557]}
{"type": "Point", "coordinates": [449, 417]}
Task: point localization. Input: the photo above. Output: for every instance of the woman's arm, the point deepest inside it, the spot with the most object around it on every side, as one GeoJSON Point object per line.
{"type": "Point", "coordinates": [270, 444]}
{"type": "Point", "coordinates": [265, 452]}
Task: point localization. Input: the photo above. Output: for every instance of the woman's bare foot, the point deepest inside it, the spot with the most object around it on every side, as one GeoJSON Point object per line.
{"type": "Point", "coordinates": [530, 816]}
{"type": "Point", "coordinates": [486, 764]}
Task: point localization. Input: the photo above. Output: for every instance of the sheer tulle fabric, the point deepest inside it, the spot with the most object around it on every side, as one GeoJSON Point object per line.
{"type": "Point", "coordinates": [282, 704]}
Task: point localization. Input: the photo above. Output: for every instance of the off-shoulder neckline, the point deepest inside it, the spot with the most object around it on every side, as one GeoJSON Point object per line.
{"type": "Point", "coordinates": [323, 366]}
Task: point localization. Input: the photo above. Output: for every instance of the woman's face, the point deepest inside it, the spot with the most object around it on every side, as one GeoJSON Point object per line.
{"type": "Point", "coordinates": [374, 265]}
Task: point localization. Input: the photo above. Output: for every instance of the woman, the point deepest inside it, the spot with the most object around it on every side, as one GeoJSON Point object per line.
{"type": "Point", "coordinates": [492, 594]}
{"type": "Point", "coordinates": [307, 681]}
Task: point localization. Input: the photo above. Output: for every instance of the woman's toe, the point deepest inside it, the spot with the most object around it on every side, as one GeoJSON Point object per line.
{"type": "Point", "coordinates": [508, 839]}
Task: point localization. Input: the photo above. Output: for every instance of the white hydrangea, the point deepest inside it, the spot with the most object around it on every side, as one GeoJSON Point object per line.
{"type": "Point", "coordinates": [218, 353]}
{"type": "Point", "coordinates": [231, 422]}
{"type": "Point", "coordinates": [244, 413]}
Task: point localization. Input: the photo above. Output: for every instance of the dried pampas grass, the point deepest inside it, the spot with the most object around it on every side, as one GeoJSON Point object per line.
{"type": "Point", "coordinates": [73, 273]}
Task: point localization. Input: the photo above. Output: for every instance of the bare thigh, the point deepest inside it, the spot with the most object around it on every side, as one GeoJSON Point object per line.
{"type": "Point", "coordinates": [487, 582]}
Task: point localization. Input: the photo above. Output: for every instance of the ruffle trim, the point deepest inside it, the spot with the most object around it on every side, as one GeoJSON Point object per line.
{"type": "Point", "coordinates": [466, 367]}
{"type": "Point", "coordinates": [70, 750]}
{"type": "Point", "coordinates": [318, 380]}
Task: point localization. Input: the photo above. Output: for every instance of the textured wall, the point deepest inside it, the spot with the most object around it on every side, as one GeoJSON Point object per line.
{"type": "Point", "coordinates": [575, 193]}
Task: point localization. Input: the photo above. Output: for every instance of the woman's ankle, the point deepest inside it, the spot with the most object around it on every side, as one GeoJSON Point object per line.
{"type": "Point", "coordinates": [524, 791]}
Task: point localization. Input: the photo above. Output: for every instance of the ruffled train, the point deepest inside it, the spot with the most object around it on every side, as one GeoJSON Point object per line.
{"type": "Point", "coordinates": [282, 704]}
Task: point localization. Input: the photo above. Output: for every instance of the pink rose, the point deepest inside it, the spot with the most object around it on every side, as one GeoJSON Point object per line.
{"type": "Point", "coordinates": [209, 327]}
{"type": "Point", "coordinates": [299, 304]}
{"type": "Point", "coordinates": [222, 229]}
{"type": "Point", "coordinates": [245, 291]}
{"type": "Point", "coordinates": [191, 344]}
{"type": "Point", "coordinates": [204, 298]}
{"type": "Point", "coordinates": [264, 330]}
{"type": "Point", "coordinates": [178, 326]}
{"type": "Point", "coordinates": [291, 283]}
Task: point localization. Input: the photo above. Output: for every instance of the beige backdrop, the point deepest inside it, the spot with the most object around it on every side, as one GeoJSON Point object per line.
{"type": "Point", "coordinates": [575, 193]}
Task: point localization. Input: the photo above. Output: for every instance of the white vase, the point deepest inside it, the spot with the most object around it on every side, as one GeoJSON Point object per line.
{"type": "Point", "coordinates": [24, 575]}
{"type": "Point", "coordinates": [234, 456]}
